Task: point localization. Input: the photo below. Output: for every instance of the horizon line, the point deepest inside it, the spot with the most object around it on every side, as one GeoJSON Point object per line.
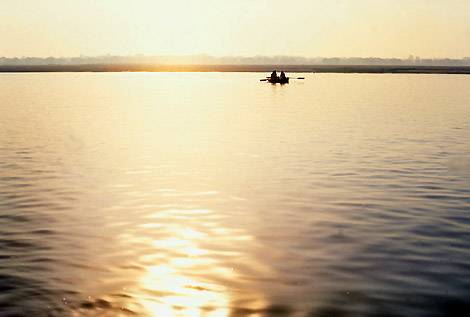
{"type": "Point", "coordinates": [136, 55]}
{"type": "Point", "coordinates": [370, 69]}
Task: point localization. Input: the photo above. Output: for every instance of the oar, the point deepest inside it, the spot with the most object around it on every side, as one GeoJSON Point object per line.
{"type": "Point", "coordinates": [263, 80]}
{"type": "Point", "coordinates": [297, 78]}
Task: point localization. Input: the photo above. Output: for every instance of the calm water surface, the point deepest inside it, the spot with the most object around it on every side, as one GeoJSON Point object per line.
{"type": "Point", "coordinates": [216, 195]}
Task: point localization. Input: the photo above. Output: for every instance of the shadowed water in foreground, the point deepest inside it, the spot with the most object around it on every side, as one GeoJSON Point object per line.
{"type": "Point", "coordinates": [166, 194]}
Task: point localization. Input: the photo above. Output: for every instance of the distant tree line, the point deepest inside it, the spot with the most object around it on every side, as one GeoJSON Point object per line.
{"type": "Point", "coordinates": [211, 60]}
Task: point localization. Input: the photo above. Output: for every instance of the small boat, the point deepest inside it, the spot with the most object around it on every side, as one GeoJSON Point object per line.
{"type": "Point", "coordinates": [278, 80]}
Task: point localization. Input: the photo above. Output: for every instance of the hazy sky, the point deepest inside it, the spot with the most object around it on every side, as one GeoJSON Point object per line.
{"type": "Point", "coordinates": [382, 28]}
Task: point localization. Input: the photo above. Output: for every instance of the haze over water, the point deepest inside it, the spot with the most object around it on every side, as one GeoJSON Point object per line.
{"type": "Point", "coordinates": [214, 194]}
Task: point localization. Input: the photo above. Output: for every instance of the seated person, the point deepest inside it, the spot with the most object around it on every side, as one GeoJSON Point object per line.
{"type": "Point", "coordinates": [274, 76]}
{"type": "Point", "coordinates": [282, 77]}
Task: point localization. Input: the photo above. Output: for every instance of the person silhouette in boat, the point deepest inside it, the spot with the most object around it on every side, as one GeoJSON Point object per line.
{"type": "Point", "coordinates": [274, 77]}
{"type": "Point", "coordinates": [282, 77]}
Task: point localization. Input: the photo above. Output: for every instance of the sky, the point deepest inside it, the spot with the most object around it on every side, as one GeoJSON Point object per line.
{"type": "Point", "coordinates": [309, 28]}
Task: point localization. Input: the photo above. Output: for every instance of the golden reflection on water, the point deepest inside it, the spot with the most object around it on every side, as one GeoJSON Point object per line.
{"type": "Point", "coordinates": [182, 295]}
{"type": "Point", "coordinates": [182, 276]}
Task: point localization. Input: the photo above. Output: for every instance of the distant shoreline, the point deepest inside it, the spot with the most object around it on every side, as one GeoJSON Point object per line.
{"type": "Point", "coordinates": [363, 69]}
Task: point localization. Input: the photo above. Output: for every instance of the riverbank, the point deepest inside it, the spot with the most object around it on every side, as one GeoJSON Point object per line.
{"type": "Point", "coordinates": [374, 69]}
